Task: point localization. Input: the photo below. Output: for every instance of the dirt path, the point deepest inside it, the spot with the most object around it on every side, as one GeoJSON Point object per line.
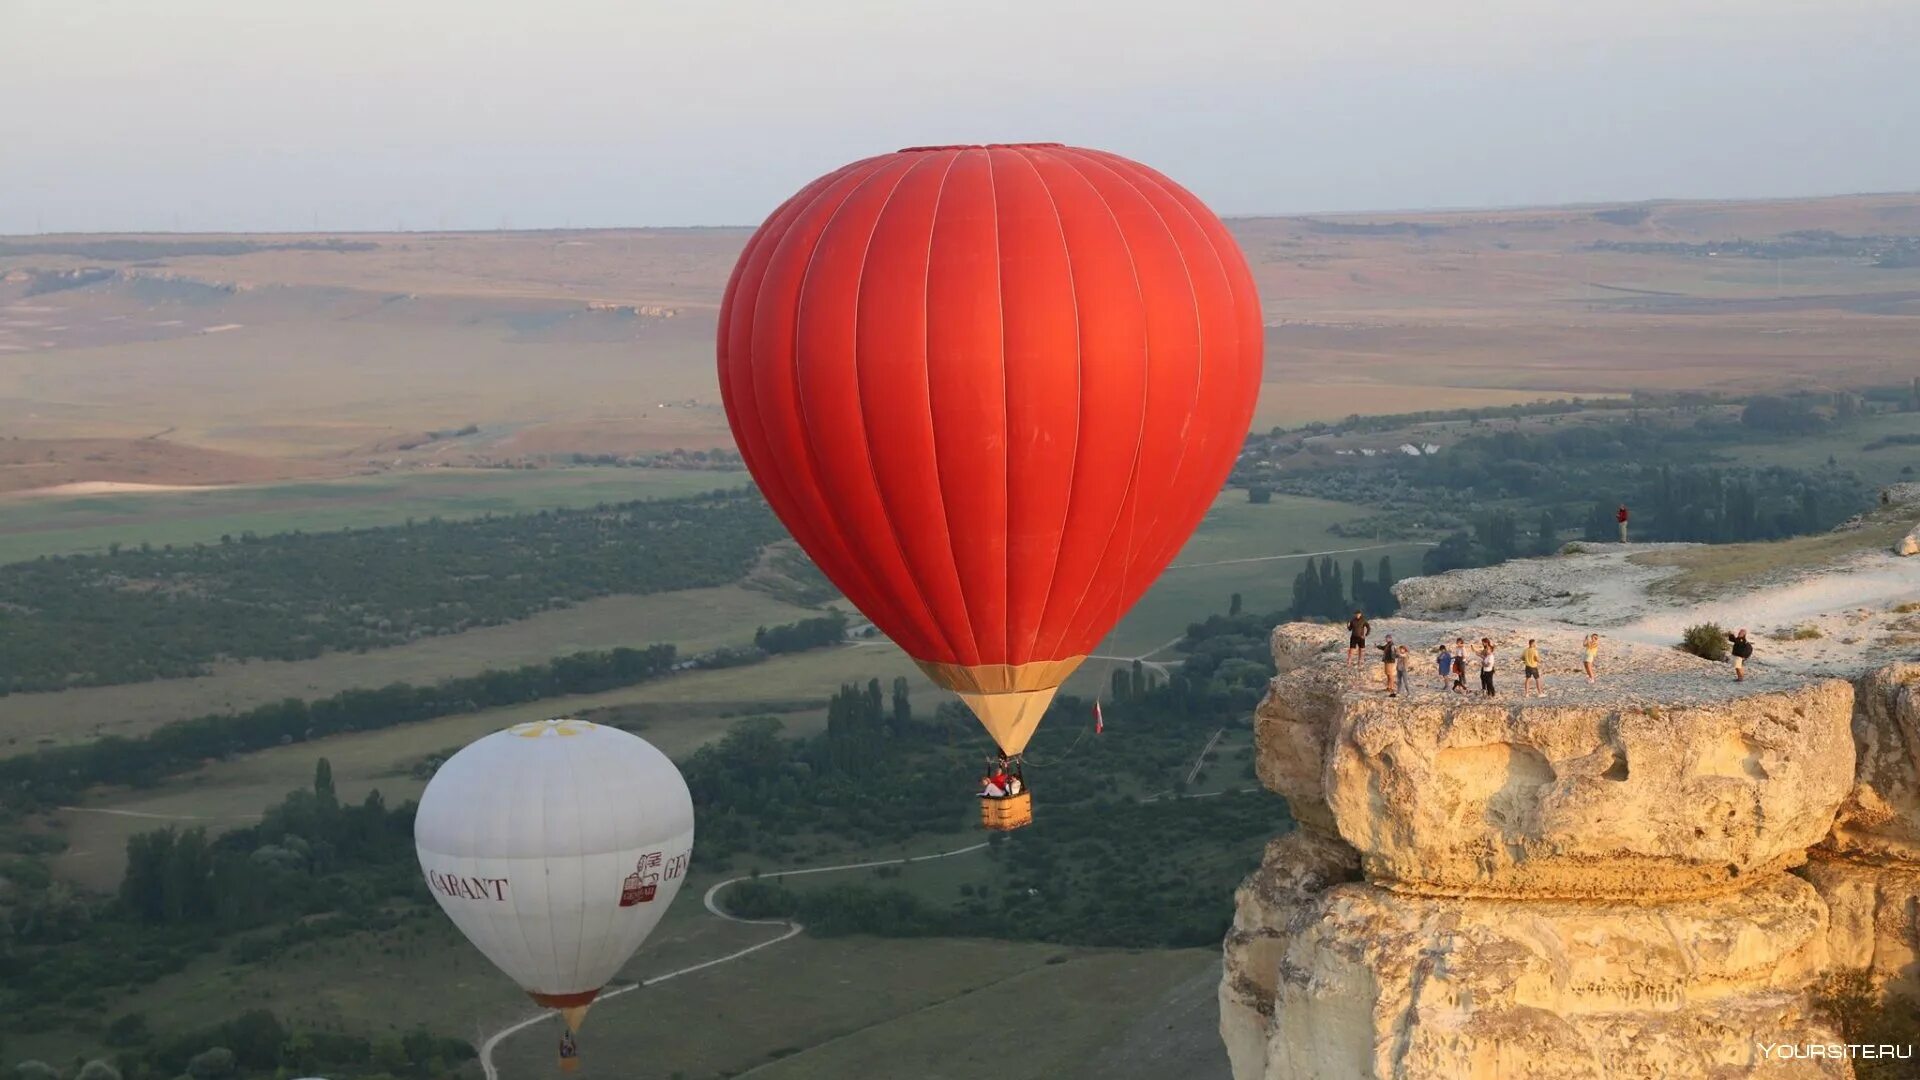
{"type": "Point", "coordinates": [710, 902]}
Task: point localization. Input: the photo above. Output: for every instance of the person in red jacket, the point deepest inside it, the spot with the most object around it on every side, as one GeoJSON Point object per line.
{"type": "Point", "coordinates": [1620, 516]}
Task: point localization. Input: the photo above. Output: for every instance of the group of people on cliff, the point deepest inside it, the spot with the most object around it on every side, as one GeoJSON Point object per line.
{"type": "Point", "coordinates": [1451, 661]}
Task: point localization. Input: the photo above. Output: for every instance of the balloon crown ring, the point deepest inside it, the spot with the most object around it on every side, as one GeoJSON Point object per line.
{"type": "Point", "coordinates": [543, 729]}
{"type": "Point", "coordinates": [982, 146]}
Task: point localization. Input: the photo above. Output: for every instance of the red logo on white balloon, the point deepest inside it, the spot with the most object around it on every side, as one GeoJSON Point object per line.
{"type": "Point", "coordinates": [642, 885]}
{"type": "Point", "coordinates": [649, 871]}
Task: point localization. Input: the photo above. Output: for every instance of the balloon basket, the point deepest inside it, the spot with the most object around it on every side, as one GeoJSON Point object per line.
{"type": "Point", "coordinates": [1005, 813]}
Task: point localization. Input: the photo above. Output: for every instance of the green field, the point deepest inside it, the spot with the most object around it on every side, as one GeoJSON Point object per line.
{"type": "Point", "coordinates": [694, 620]}
{"type": "Point", "coordinates": [677, 714]}
{"type": "Point", "coordinates": [875, 1008]}
{"type": "Point", "coordinates": [1846, 447]}
{"type": "Point", "coordinates": [31, 526]}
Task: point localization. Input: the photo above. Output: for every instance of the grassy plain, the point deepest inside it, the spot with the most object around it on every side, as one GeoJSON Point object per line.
{"type": "Point", "coordinates": [601, 341]}
{"type": "Point", "coordinates": [31, 526]}
{"type": "Point", "coordinates": [1847, 448]}
{"type": "Point", "coordinates": [1707, 571]}
{"type": "Point", "coordinates": [693, 619]}
{"type": "Point", "coordinates": [677, 714]}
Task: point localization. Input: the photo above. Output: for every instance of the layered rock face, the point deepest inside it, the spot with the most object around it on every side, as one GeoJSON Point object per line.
{"type": "Point", "coordinates": [1868, 871]}
{"type": "Point", "coordinates": [1592, 883]}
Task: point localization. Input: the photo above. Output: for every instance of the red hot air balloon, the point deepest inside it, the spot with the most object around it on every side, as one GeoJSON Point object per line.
{"type": "Point", "coordinates": [991, 390]}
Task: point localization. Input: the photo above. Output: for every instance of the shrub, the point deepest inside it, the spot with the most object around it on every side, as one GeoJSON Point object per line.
{"type": "Point", "coordinates": [1864, 1015]}
{"type": "Point", "coordinates": [1706, 640]}
{"type": "Point", "coordinates": [1808, 632]}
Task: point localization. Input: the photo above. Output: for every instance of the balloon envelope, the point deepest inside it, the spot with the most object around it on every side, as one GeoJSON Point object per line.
{"type": "Point", "coordinates": [555, 847]}
{"type": "Point", "coordinates": [991, 390]}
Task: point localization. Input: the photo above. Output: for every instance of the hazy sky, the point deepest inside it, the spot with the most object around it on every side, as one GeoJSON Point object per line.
{"type": "Point", "coordinates": [369, 114]}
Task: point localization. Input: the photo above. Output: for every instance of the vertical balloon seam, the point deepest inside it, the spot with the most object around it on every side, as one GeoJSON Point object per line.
{"type": "Point", "coordinates": [546, 883]}
{"type": "Point", "coordinates": [971, 639]}
{"type": "Point", "coordinates": [852, 554]}
{"type": "Point", "coordinates": [1009, 651]}
{"type": "Point", "coordinates": [575, 789]}
{"type": "Point", "coordinates": [497, 779]}
{"type": "Point", "coordinates": [1025, 154]}
{"type": "Point", "coordinates": [1132, 177]}
{"type": "Point", "coordinates": [736, 377]}
{"type": "Point", "coordinates": [846, 563]}
{"type": "Point", "coordinates": [837, 532]}
{"type": "Point", "coordinates": [1205, 225]}
{"type": "Point", "coordinates": [1125, 583]}
{"type": "Point", "coordinates": [849, 539]}
{"type": "Point", "coordinates": [509, 921]}
{"type": "Point", "coordinates": [1030, 648]}
{"type": "Point", "coordinates": [1062, 640]}
{"type": "Point", "coordinates": [943, 633]}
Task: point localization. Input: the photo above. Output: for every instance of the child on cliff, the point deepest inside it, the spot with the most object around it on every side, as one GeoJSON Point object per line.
{"type": "Point", "coordinates": [1742, 652]}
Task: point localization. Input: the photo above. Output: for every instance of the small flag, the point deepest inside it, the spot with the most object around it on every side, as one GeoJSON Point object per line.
{"type": "Point", "coordinates": [1099, 722]}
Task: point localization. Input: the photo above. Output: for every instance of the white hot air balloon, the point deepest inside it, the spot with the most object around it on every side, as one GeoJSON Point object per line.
{"type": "Point", "coordinates": [556, 847]}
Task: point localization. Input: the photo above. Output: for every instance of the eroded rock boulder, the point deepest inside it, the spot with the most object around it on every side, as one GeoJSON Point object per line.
{"type": "Point", "coordinates": [1421, 988]}
{"type": "Point", "coordinates": [1880, 818]}
{"type": "Point", "coordinates": [1272, 908]}
{"type": "Point", "coordinates": [1873, 918]}
{"type": "Point", "coordinates": [1591, 792]}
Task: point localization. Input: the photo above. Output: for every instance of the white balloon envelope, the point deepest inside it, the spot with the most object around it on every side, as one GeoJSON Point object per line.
{"type": "Point", "coordinates": [556, 847]}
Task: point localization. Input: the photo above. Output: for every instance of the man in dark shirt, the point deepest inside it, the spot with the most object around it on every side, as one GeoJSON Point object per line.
{"type": "Point", "coordinates": [1357, 628]}
{"type": "Point", "coordinates": [1391, 660]}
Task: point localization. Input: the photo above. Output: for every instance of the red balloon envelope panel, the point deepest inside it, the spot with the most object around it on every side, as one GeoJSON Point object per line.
{"type": "Point", "coordinates": [991, 390]}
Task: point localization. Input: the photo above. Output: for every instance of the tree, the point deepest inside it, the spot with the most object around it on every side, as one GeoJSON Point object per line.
{"type": "Point", "coordinates": [1780, 415]}
{"type": "Point", "coordinates": [1259, 494]}
{"type": "Point", "coordinates": [902, 706]}
{"type": "Point", "coordinates": [97, 1070]}
{"type": "Point", "coordinates": [1233, 604]}
{"type": "Point", "coordinates": [1358, 583]}
{"type": "Point", "coordinates": [214, 1064]}
{"type": "Point", "coordinates": [128, 1030]}
{"type": "Point", "coordinates": [1547, 535]}
{"type": "Point", "coordinates": [36, 1070]}
{"type": "Point", "coordinates": [390, 1054]}
{"type": "Point", "coordinates": [323, 782]}
{"type": "Point", "coordinates": [1499, 535]}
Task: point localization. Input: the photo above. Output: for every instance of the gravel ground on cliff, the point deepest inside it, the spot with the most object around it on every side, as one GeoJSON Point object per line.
{"type": "Point", "coordinates": [1848, 615]}
{"type": "Point", "coordinates": [1631, 673]}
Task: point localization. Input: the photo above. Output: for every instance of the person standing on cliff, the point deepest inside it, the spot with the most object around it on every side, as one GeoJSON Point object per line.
{"type": "Point", "coordinates": [1443, 664]}
{"type": "Point", "coordinates": [1486, 666]}
{"type": "Point", "coordinates": [1530, 660]}
{"type": "Point", "coordinates": [1400, 658]}
{"type": "Point", "coordinates": [1592, 648]}
{"type": "Point", "coordinates": [1620, 516]}
{"type": "Point", "coordinates": [1357, 628]}
{"type": "Point", "coordinates": [1742, 651]}
{"type": "Point", "coordinates": [1388, 668]}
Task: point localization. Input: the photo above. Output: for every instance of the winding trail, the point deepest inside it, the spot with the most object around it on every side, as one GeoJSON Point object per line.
{"type": "Point", "coordinates": [1298, 555]}
{"type": "Point", "coordinates": [1201, 761]}
{"type": "Point", "coordinates": [710, 902]}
